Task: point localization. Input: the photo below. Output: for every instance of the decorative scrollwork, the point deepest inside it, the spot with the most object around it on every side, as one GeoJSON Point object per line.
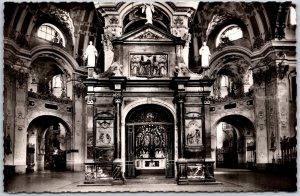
{"type": "Point", "coordinates": [282, 67]}
{"type": "Point", "coordinates": [151, 141]}
{"type": "Point", "coordinates": [80, 89]}
{"type": "Point", "coordinates": [270, 73]}
{"type": "Point", "coordinates": [282, 70]}
{"type": "Point", "coordinates": [148, 35]}
{"type": "Point", "coordinates": [178, 21]}
{"type": "Point", "coordinates": [49, 97]}
{"type": "Point", "coordinates": [258, 77]}
{"type": "Point", "coordinates": [258, 42]}
{"type": "Point", "coordinates": [114, 20]}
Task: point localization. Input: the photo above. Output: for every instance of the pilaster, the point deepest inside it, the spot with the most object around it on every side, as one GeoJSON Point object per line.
{"type": "Point", "coordinates": [20, 136]}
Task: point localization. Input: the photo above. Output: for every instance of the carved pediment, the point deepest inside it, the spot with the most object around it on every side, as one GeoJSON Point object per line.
{"type": "Point", "coordinates": [149, 34]}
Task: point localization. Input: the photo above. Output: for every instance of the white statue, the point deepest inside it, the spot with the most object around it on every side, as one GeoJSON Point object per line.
{"type": "Point", "coordinates": [205, 55]}
{"type": "Point", "coordinates": [148, 8]}
{"type": "Point", "coordinates": [91, 53]}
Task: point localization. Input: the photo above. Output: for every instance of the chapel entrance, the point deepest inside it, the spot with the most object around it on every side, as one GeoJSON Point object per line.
{"type": "Point", "coordinates": [236, 146]}
{"type": "Point", "coordinates": [149, 142]}
{"type": "Point", "coordinates": [48, 141]}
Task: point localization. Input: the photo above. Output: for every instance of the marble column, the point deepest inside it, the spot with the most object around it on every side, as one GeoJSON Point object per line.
{"type": "Point", "coordinates": [117, 163]}
{"type": "Point", "coordinates": [118, 102]}
{"type": "Point", "coordinates": [180, 102]}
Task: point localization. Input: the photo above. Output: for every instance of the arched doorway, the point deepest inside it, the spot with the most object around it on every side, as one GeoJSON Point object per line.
{"type": "Point", "coordinates": [235, 142]}
{"type": "Point", "coordinates": [48, 141]}
{"type": "Point", "coordinates": [149, 141]}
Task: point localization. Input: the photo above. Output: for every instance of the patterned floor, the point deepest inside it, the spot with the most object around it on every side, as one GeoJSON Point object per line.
{"type": "Point", "coordinates": [228, 180]}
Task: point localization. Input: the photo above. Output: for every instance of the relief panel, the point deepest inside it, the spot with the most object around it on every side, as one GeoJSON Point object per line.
{"type": "Point", "coordinates": [193, 132]}
{"type": "Point", "coordinates": [104, 133]}
{"type": "Point", "coordinates": [149, 65]}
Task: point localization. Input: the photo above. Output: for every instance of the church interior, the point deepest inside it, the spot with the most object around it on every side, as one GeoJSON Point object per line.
{"type": "Point", "coordinates": [123, 92]}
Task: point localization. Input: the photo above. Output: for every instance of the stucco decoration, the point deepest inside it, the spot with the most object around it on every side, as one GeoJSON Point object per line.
{"type": "Point", "coordinates": [64, 18]}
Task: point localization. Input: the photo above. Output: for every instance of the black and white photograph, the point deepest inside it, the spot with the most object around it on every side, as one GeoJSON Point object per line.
{"type": "Point", "coordinates": [149, 96]}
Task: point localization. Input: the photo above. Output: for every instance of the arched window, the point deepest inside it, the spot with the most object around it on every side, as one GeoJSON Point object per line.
{"type": "Point", "coordinates": [229, 33]}
{"type": "Point", "coordinates": [51, 33]}
{"type": "Point", "coordinates": [224, 81]}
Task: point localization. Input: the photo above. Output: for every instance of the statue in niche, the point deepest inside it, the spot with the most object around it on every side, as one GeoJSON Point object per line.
{"type": "Point", "coordinates": [162, 65]}
{"type": "Point", "coordinates": [148, 9]}
{"type": "Point", "coordinates": [272, 141]}
{"type": "Point", "coordinates": [135, 64]}
{"type": "Point", "coordinates": [91, 53]}
{"type": "Point", "coordinates": [205, 55]}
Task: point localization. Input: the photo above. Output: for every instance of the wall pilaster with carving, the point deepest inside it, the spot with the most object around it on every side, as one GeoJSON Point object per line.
{"type": "Point", "coordinates": [261, 116]}
{"type": "Point", "coordinates": [20, 135]}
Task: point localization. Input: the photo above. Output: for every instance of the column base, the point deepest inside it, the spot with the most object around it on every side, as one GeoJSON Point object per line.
{"type": "Point", "coordinates": [118, 177]}
{"type": "Point", "coordinates": [182, 171]}
{"type": "Point", "coordinates": [20, 169]}
{"type": "Point", "coordinates": [98, 173]}
{"type": "Point", "coordinates": [78, 167]}
{"type": "Point", "coordinates": [261, 166]}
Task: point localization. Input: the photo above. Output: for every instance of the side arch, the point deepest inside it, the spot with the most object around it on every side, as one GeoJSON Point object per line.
{"type": "Point", "coordinates": [48, 136]}
{"type": "Point", "coordinates": [245, 132]}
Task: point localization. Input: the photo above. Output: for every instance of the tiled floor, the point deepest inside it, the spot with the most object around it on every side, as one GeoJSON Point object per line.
{"type": "Point", "coordinates": [228, 180]}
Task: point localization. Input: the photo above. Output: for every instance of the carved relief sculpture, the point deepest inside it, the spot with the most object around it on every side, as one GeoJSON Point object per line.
{"type": "Point", "coordinates": [193, 132]}
{"type": "Point", "coordinates": [104, 133]}
{"type": "Point", "coordinates": [148, 65]}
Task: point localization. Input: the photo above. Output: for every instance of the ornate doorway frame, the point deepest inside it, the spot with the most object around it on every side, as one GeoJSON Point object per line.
{"type": "Point", "coordinates": [168, 106]}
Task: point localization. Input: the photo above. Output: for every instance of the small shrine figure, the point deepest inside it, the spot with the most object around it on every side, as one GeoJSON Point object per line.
{"type": "Point", "coordinates": [117, 69]}
{"type": "Point", "coordinates": [91, 53]}
{"type": "Point", "coordinates": [148, 9]}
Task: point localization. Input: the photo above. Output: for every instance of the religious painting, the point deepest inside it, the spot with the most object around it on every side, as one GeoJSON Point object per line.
{"type": "Point", "coordinates": [193, 132]}
{"type": "Point", "coordinates": [149, 65]}
{"type": "Point", "coordinates": [104, 133]}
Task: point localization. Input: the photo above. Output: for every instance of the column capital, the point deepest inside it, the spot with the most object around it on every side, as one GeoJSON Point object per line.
{"type": "Point", "coordinates": [90, 99]}
{"type": "Point", "coordinates": [118, 98]}
{"type": "Point", "coordinates": [180, 97]}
